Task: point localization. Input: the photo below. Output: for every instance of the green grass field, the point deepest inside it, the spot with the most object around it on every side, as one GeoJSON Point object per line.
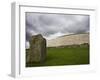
{"type": "Point", "coordinates": [72, 55]}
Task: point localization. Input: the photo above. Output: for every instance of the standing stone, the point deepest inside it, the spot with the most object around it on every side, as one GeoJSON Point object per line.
{"type": "Point", "coordinates": [37, 51]}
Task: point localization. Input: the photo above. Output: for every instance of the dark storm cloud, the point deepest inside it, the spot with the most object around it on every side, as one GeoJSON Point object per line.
{"type": "Point", "coordinates": [52, 24]}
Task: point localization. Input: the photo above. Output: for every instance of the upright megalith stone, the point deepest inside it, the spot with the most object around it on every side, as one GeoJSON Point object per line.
{"type": "Point", "coordinates": [37, 51]}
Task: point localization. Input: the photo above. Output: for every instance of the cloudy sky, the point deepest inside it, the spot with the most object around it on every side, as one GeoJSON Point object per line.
{"type": "Point", "coordinates": [54, 25]}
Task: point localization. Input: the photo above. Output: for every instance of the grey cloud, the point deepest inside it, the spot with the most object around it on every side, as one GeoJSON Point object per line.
{"type": "Point", "coordinates": [49, 24]}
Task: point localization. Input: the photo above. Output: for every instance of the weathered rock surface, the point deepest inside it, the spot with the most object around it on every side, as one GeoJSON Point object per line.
{"type": "Point", "coordinates": [37, 51]}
